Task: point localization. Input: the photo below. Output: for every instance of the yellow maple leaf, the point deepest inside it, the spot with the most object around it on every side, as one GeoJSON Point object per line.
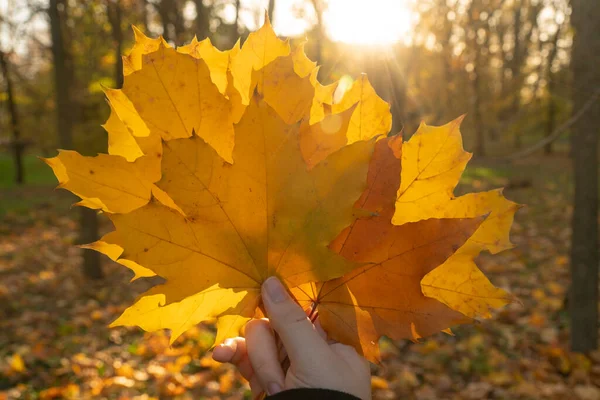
{"type": "Point", "coordinates": [93, 179]}
{"type": "Point", "coordinates": [284, 90]}
{"type": "Point", "coordinates": [371, 116]}
{"type": "Point", "coordinates": [263, 215]}
{"type": "Point", "coordinates": [143, 45]}
{"type": "Point", "coordinates": [360, 115]}
{"type": "Point", "coordinates": [319, 140]}
{"type": "Point", "coordinates": [108, 247]}
{"type": "Point", "coordinates": [174, 95]}
{"type": "Point", "coordinates": [216, 220]}
{"type": "Point", "coordinates": [303, 66]}
{"type": "Point", "coordinates": [460, 285]}
{"type": "Point", "coordinates": [120, 140]}
{"type": "Point", "coordinates": [128, 135]}
{"type": "Point", "coordinates": [123, 112]}
{"type": "Point", "coordinates": [261, 48]}
{"type": "Point", "coordinates": [323, 94]}
{"type": "Point", "coordinates": [432, 162]}
{"type": "Point", "coordinates": [218, 62]}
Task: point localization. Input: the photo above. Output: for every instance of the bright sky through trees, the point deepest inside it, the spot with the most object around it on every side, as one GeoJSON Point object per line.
{"type": "Point", "coordinates": [350, 21]}
{"type": "Point", "coordinates": [372, 22]}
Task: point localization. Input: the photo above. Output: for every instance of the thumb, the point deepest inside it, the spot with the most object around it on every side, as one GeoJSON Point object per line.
{"type": "Point", "coordinates": [304, 345]}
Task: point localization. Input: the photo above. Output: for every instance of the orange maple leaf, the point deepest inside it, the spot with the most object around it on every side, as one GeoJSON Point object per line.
{"type": "Point", "coordinates": [383, 296]}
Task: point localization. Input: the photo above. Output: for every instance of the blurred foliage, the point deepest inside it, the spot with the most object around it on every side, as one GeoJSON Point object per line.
{"type": "Point", "coordinates": [492, 59]}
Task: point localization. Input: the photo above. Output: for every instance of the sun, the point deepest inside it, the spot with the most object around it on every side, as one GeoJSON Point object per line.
{"type": "Point", "coordinates": [372, 22]}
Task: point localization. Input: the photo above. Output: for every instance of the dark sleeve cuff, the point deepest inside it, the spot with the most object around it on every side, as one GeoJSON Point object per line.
{"type": "Point", "coordinates": [312, 394]}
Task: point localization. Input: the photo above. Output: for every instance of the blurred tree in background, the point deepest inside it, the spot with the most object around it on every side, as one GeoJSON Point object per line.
{"type": "Point", "coordinates": [585, 140]}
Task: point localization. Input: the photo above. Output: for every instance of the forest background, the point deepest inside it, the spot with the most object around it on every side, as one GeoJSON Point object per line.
{"type": "Point", "coordinates": [526, 72]}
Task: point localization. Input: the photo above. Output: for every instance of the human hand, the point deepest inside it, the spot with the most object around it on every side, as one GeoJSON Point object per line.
{"type": "Point", "coordinates": [315, 362]}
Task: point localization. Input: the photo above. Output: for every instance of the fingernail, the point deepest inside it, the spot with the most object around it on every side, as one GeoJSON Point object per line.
{"type": "Point", "coordinates": [275, 290]}
{"type": "Point", "coordinates": [273, 388]}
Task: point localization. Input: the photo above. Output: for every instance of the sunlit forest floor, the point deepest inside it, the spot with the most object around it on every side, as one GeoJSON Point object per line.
{"type": "Point", "coordinates": [54, 340]}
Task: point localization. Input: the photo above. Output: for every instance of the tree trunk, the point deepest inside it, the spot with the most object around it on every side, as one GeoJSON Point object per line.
{"type": "Point", "coordinates": [238, 7]}
{"type": "Point", "coordinates": [163, 12]}
{"type": "Point", "coordinates": [448, 94]}
{"type": "Point", "coordinates": [202, 20]}
{"type": "Point", "coordinates": [583, 301]}
{"type": "Point", "coordinates": [62, 74]}
{"type": "Point", "coordinates": [172, 20]}
{"type": "Point", "coordinates": [476, 80]}
{"type": "Point", "coordinates": [88, 233]}
{"type": "Point", "coordinates": [178, 23]}
{"type": "Point", "coordinates": [522, 38]}
{"type": "Point", "coordinates": [271, 9]}
{"type": "Point", "coordinates": [320, 31]}
{"type": "Point", "coordinates": [113, 8]}
{"type": "Point", "coordinates": [551, 122]}
{"type": "Point", "coordinates": [477, 117]}
{"type": "Point", "coordinates": [503, 60]}
{"type": "Point", "coordinates": [516, 70]}
{"type": "Point", "coordinates": [144, 14]}
{"type": "Point", "coordinates": [17, 144]}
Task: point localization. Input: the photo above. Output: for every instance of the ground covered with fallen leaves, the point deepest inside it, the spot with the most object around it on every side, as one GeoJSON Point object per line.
{"type": "Point", "coordinates": [55, 343]}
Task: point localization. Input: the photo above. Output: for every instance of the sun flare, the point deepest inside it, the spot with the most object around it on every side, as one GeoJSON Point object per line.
{"type": "Point", "coordinates": [370, 22]}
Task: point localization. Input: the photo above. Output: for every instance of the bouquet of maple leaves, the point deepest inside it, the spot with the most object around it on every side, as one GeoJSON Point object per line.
{"type": "Point", "coordinates": [226, 168]}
